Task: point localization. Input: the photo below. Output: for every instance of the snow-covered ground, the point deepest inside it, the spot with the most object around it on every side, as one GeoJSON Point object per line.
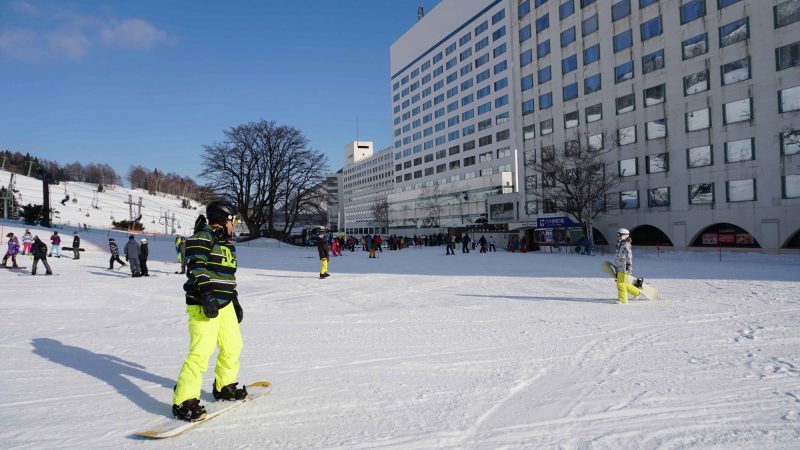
{"type": "Point", "coordinates": [99, 209]}
{"type": "Point", "coordinates": [413, 350]}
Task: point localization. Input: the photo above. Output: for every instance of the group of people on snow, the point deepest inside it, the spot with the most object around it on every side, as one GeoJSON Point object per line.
{"type": "Point", "coordinates": [136, 253]}
{"type": "Point", "coordinates": [37, 249]}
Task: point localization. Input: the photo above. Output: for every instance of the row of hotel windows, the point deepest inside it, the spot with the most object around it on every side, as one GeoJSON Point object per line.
{"type": "Point", "coordinates": [456, 149]}
{"type": "Point", "coordinates": [451, 48]}
{"type": "Point", "coordinates": [622, 8]}
{"type": "Point", "coordinates": [732, 112]}
{"type": "Point", "coordinates": [454, 165]}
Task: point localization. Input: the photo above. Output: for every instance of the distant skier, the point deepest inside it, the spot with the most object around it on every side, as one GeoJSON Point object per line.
{"type": "Point", "coordinates": [322, 249]}
{"type": "Point", "coordinates": [114, 248]}
{"type": "Point", "coordinates": [13, 249]}
{"type": "Point", "coordinates": [55, 248]}
{"type": "Point", "coordinates": [624, 264]}
{"type": "Point", "coordinates": [27, 241]}
{"type": "Point", "coordinates": [214, 314]}
{"type": "Point", "coordinates": [491, 243]}
{"type": "Point", "coordinates": [482, 243]}
{"type": "Point", "coordinates": [143, 253]}
{"type": "Point", "coordinates": [465, 244]}
{"type": "Point", "coordinates": [180, 250]}
{"type": "Point", "coordinates": [39, 251]}
{"type": "Point", "coordinates": [76, 246]}
{"type": "Point", "coordinates": [132, 256]}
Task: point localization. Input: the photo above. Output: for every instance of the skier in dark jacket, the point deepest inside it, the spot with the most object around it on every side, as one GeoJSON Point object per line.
{"type": "Point", "coordinates": [39, 251]}
{"type": "Point", "coordinates": [112, 246]}
{"type": "Point", "coordinates": [322, 249]}
{"type": "Point", "coordinates": [465, 244]}
{"type": "Point", "coordinates": [76, 246]}
{"type": "Point", "coordinates": [143, 253]}
{"type": "Point", "coordinates": [132, 256]}
{"type": "Point", "coordinates": [214, 313]}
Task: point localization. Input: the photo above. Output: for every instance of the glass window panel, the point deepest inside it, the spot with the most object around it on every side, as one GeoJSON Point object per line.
{"type": "Point", "coordinates": [596, 142]}
{"type": "Point", "coordinates": [569, 64]}
{"type": "Point", "coordinates": [787, 56]}
{"type": "Point", "coordinates": [658, 197]}
{"type": "Point", "coordinates": [735, 71]}
{"type": "Point", "coordinates": [567, 36]}
{"type": "Point", "coordinates": [656, 129]}
{"type": "Point", "coordinates": [655, 95]}
{"type": "Point", "coordinates": [589, 26]}
{"type": "Point", "coordinates": [627, 167]}
{"type": "Point", "coordinates": [787, 12]}
{"type": "Point", "coordinates": [570, 91]}
{"type": "Point", "coordinates": [699, 156]}
{"type": "Point", "coordinates": [626, 103]}
{"type": "Point", "coordinates": [733, 32]}
{"type": "Point", "coordinates": [594, 113]}
{"type": "Point", "coordinates": [591, 54]}
{"type": "Point", "coordinates": [698, 120]}
{"type": "Point", "coordinates": [544, 74]}
{"type": "Point", "coordinates": [546, 100]}
{"type": "Point", "coordinates": [546, 126]}
{"type": "Point", "coordinates": [592, 84]}
{"type": "Point", "coordinates": [741, 190]}
{"type": "Point", "coordinates": [571, 119]}
{"type": "Point", "coordinates": [620, 10]}
{"type": "Point", "coordinates": [542, 23]}
{"type": "Point", "coordinates": [702, 193]}
{"type": "Point", "coordinates": [524, 33]}
{"type": "Point", "coordinates": [741, 150]}
{"type": "Point", "coordinates": [658, 163]}
{"type": "Point", "coordinates": [695, 46]}
{"type": "Point", "coordinates": [566, 9]}
{"type": "Point", "coordinates": [697, 82]}
{"type": "Point", "coordinates": [653, 61]}
{"type": "Point", "coordinates": [543, 49]}
{"type": "Point", "coordinates": [623, 72]}
{"type": "Point", "coordinates": [629, 199]}
{"type": "Point", "coordinates": [623, 40]}
{"type": "Point", "coordinates": [527, 107]}
{"type": "Point", "coordinates": [737, 111]}
{"type": "Point", "coordinates": [726, 3]}
{"type": "Point", "coordinates": [789, 99]}
{"type": "Point", "coordinates": [627, 135]}
{"type": "Point", "coordinates": [643, 3]}
{"type": "Point", "coordinates": [791, 186]}
{"type": "Point", "coordinates": [529, 132]}
{"type": "Point", "coordinates": [790, 142]}
{"type": "Point", "coordinates": [692, 10]}
{"type": "Point", "coordinates": [651, 28]}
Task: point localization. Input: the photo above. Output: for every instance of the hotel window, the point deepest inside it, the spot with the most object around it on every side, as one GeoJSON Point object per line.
{"type": "Point", "coordinates": [501, 101]}
{"type": "Point", "coordinates": [544, 75]}
{"type": "Point", "coordinates": [623, 72]}
{"type": "Point", "coordinates": [546, 127]}
{"type": "Point", "coordinates": [655, 95]}
{"type": "Point", "coordinates": [502, 135]}
{"type": "Point", "coordinates": [500, 84]}
{"type": "Point", "coordinates": [484, 157]}
{"type": "Point", "coordinates": [594, 113]}
{"type": "Point", "coordinates": [469, 145]}
{"type": "Point", "coordinates": [527, 107]}
{"type": "Point", "coordinates": [692, 10]}
{"type": "Point", "coordinates": [441, 168]}
{"type": "Point", "coordinates": [546, 100]}
{"type": "Point", "coordinates": [595, 142]}
{"type": "Point", "coordinates": [738, 111]}
{"type": "Point", "coordinates": [529, 132]}
{"type": "Point", "coordinates": [571, 120]}
{"type": "Point", "coordinates": [701, 194]}
{"type": "Point", "coordinates": [786, 13]}
{"type": "Point", "coordinates": [543, 49]}
{"type": "Point", "coordinates": [542, 23]}
{"type": "Point", "coordinates": [498, 16]}
{"type": "Point", "coordinates": [620, 10]}
{"type": "Point", "coordinates": [501, 66]}
{"type": "Point", "coordinates": [741, 150]}
{"type": "Point", "coordinates": [453, 150]}
{"type": "Point", "coordinates": [653, 61]}
{"type": "Point", "coordinates": [643, 3]}
{"type": "Point", "coordinates": [498, 33]}
{"type": "Point", "coordinates": [656, 129]}
{"type": "Point", "coordinates": [698, 120]}
{"type": "Point", "coordinates": [484, 108]}
{"type": "Point", "coordinates": [789, 99]}
{"type": "Point", "coordinates": [695, 46]}
{"type": "Point", "coordinates": [725, 3]}
{"type": "Point", "coordinates": [589, 26]}
{"type": "Point", "coordinates": [657, 197]}
{"type": "Point", "coordinates": [741, 190]}
{"type": "Point", "coordinates": [467, 130]}
{"type": "Point", "coordinates": [466, 84]}
{"type": "Point", "coordinates": [525, 58]}
{"type": "Point", "coordinates": [585, 3]}
{"type": "Point", "coordinates": [567, 36]}
{"type": "Point", "coordinates": [526, 82]}
{"type": "Point", "coordinates": [524, 33]}
{"type": "Point", "coordinates": [734, 32]}
{"type": "Point", "coordinates": [483, 26]}
{"type": "Point", "coordinates": [570, 91]}
{"type": "Point", "coordinates": [787, 56]}
{"type": "Point", "coordinates": [450, 49]}
{"type": "Point", "coordinates": [592, 84]}
{"type": "Point", "coordinates": [629, 199]}
{"type": "Point", "coordinates": [791, 186]}
{"type": "Point", "coordinates": [623, 40]}
{"type": "Point", "coordinates": [566, 9]}
{"type": "Point", "coordinates": [482, 44]}
{"type": "Point", "coordinates": [626, 135]}
{"type": "Point", "coordinates": [524, 8]}
{"type": "Point", "coordinates": [790, 142]}
{"type": "Point", "coordinates": [481, 60]}
{"type": "Point", "coordinates": [657, 163]}
{"type": "Point", "coordinates": [591, 54]}
{"type": "Point", "coordinates": [486, 140]}
{"type": "Point", "coordinates": [735, 71]}
{"type": "Point", "coordinates": [697, 82]}
{"type": "Point", "coordinates": [569, 64]}
{"type": "Point", "coordinates": [651, 28]}
{"type": "Point", "coordinates": [699, 156]}
{"type": "Point", "coordinates": [484, 124]}
{"type": "Point", "coordinates": [465, 54]}
{"type": "Point", "coordinates": [464, 39]}
{"type": "Point", "coordinates": [626, 103]}
{"type": "Point", "coordinates": [484, 91]}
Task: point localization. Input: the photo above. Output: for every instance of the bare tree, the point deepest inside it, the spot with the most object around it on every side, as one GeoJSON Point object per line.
{"type": "Point", "coordinates": [380, 211]}
{"type": "Point", "coordinates": [303, 190]}
{"type": "Point", "coordinates": [575, 181]}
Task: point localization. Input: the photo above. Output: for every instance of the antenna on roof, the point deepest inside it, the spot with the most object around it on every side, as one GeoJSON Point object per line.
{"type": "Point", "coordinates": [420, 13]}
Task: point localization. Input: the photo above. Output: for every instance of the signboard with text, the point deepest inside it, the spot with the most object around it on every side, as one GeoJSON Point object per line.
{"type": "Point", "coordinates": [555, 222]}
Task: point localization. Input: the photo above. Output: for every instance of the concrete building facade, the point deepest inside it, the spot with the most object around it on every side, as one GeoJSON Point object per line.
{"type": "Point", "coordinates": [366, 180]}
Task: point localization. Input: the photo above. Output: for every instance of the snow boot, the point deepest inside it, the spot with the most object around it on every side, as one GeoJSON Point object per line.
{"type": "Point", "coordinates": [191, 410]}
{"type": "Point", "coordinates": [229, 392]}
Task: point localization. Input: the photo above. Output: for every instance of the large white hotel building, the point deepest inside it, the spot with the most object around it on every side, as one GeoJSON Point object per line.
{"type": "Point", "coordinates": [700, 98]}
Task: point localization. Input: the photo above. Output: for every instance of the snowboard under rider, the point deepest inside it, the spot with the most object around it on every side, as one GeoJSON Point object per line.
{"type": "Point", "coordinates": [214, 313]}
{"type": "Point", "coordinates": [624, 264]}
{"type": "Point", "coordinates": [114, 249]}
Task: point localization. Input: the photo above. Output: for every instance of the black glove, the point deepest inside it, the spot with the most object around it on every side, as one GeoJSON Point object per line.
{"type": "Point", "coordinates": [627, 268]}
{"type": "Point", "coordinates": [210, 306]}
{"type": "Point", "coordinates": [237, 307]}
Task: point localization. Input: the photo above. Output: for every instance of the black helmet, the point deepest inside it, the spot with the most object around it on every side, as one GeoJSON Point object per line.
{"type": "Point", "coordinates": [218, 212]}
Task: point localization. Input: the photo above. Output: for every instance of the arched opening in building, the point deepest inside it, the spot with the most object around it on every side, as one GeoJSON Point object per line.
{"type": "Point", "coordinates": [794, 241]}
{"type": "Point", "coordinates": [725, 235]}
{"type": "Point", "coordinates": [599, 239]}
{"type": "Point", "coordinates": [649, 235]}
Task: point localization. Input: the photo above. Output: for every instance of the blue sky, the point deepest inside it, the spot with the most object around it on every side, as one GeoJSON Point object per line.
{"type": "Point", "coordinates": [150, 81]}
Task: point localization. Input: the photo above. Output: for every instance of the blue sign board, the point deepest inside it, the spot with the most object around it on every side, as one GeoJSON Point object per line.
{"type": "Point", "coordinates": [555, 222]}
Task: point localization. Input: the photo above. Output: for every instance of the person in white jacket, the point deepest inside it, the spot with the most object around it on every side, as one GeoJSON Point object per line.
{"type": "Point", "coordinates": [624, 264]}
{"type": "Point", "coordinates": [27, 241]}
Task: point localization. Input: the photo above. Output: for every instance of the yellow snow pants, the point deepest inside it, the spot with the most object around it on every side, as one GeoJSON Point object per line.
{"type": "Point", "coordinates": [204, 336]}
{"type": "Point", "coordinates": [624, 288]}
{"type": "Point", "coordinates": [323, 269]}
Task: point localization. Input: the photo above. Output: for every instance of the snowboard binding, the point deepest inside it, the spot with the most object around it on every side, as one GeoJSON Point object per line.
{"type": "Point", "coordinates": [229, 392]}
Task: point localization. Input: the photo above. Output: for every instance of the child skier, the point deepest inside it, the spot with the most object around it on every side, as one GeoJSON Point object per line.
{"type": "Point", "coordinates": [39, 251]}
{"type": "Point", "coordinates": [55, 248]}
{"type": "Point", "coordinates": [624, 264]}
{"type": "Point", "coordinates": [27, 241]}
{"type": "Point", "coordinates": [112, 246]}
{"type": "Point", "coordinates": [143, 253]}
{"type": "Point", "coordinates": [13, 249]}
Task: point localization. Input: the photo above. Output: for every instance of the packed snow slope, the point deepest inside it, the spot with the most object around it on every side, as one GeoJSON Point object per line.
{"type": "Point", "coordinates": [99, 209]}
{"type": "Point", "coordinates": [414, 350]}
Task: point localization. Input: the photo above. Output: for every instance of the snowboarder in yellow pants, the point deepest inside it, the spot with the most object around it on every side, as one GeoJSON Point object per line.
{"type": "Point", "coordinates": [624, 264]}
{"type": "Point", "coordinates": [624, 288]}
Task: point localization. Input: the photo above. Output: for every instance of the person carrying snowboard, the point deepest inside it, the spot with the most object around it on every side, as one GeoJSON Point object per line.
{"type": "Point", "coordinates": [13, 249]}
{"type": "Point", "coordinates": [39, 251]}
{"type": "Point", "coordinates": [132, 256]}
{"type": "Point", "coordinates": [55, 248]}
{"type": "Point", "coordinates": [322, 249]}
{"type": "Point", "coordinates": [143, 253]}
{"type": "Point", "coordinates": [114, 248]}
{"type": "Point", "coordinates": [27, 241]}
{"type": "Point", "coordinates": [214, 313]}
{"type": "Point", "coordinates": [623, 262]}
{"type": "Point", "coordinates": [76, 246]}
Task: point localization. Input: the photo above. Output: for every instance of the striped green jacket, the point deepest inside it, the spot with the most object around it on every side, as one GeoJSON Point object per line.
{"type": "Point", "coordinates": [211, 263]}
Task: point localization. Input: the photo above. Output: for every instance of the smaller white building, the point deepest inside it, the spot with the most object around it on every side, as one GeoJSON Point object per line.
{"type": "Point", "coordinates": [367, 179]}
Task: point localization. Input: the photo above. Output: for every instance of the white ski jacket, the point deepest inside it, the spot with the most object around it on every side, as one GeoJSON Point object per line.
{"type": "Point", "coordinates": [624, 256]}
